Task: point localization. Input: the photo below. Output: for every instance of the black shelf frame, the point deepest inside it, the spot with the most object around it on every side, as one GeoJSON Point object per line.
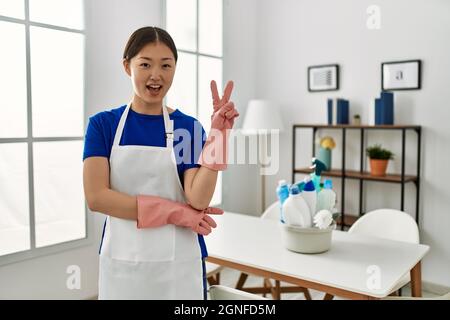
{"type": "Point", "coordinates": [344, 176]}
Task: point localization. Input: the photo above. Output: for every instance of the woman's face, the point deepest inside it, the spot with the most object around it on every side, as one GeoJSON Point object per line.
{"type": "Point", "coordinates": [152, 71]}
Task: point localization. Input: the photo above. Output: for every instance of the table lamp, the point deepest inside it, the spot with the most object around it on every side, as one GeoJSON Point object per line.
{"type": "Point", "coordinates": [261, 117]}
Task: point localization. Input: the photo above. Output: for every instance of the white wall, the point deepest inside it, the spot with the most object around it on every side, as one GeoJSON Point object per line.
{"type": "Point", "coordinates": [241, 190]}
{"type": "Point", "coordinates": [293, 34]}
{"type": "Point", "coordinates": [109, 23]}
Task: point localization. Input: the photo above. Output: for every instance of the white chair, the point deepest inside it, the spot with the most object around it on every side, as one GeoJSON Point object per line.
{"type": "Point", "coordinates": [271, 213]}
{"type": "Point", "coordinates": [387, 224]}
{"type": "Point", "coordinates": [218, 292]}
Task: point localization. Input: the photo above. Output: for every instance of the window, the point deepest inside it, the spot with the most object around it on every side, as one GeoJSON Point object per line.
{"type": "Point", "coordinates": [196, 27]}
{"type": "Point", "coordinates": [42, 204]}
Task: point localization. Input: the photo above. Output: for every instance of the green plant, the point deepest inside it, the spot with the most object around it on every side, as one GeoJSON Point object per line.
{"type": "Point", "coordinates": [377, 152]}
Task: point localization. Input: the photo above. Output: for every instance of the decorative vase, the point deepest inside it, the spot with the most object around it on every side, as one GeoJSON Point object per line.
{"type": "Point", "coordinates": [324, 155]}
{"type": "Point", "coordinates": [378, 167]}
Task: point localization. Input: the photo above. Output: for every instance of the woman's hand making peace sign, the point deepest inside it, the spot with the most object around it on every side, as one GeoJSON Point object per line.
{"type": "Point", "coordinates": [215, 151]}
{"type": "Point", "coordinates": [224, 111]}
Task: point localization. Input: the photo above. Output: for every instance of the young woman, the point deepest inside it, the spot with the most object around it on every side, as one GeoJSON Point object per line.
{"type": "Point", "coordinates": [157, 205]}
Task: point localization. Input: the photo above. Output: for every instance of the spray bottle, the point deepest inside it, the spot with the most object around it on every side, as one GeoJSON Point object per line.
{"type": "Point", "coordinates": [318, 167]}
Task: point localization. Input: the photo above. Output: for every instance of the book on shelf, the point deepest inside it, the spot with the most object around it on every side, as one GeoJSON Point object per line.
{"type": "Point", "coordinates": [338, 111]}
{"type": "Point", "coordinates": [384, 109]}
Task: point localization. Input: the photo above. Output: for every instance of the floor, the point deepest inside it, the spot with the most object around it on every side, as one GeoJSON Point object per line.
{"type": "Point", "coordinates": [229, 278]}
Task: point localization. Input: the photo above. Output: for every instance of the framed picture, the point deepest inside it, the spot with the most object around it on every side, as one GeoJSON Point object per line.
{"type": "Point", "coordinates": [323, 78]}
{"type": "Point", "coordinates": [401, 75]}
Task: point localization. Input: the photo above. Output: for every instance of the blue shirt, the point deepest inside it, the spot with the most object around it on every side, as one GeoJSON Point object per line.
{"type": "Point", "coordinates": [147, 130]}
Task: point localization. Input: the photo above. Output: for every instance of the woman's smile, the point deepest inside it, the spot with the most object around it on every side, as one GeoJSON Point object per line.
{"type": "Point", "coordinates": [154, 89]}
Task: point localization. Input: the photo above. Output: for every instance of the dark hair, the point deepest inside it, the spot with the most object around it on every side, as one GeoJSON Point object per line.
{"type": "Point", "coordinates": [143, 36]}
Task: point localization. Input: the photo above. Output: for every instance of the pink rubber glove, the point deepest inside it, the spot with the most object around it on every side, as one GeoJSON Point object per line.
{"type": "Point", "coordinates": [155, 212]}
{"type": "Point", "coordinates": [215, 152]}
{"type": "Point", "coordinates": [224, 112]}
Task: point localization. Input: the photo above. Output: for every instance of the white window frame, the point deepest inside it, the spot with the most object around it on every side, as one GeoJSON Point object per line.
{"type": "Point", "coordinates": [34, 252]}
{"type": "Point", "coordinates": [197, 56]}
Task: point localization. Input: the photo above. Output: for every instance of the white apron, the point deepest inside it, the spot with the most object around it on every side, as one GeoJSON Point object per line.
{"type": "Point", "coordinates": [152, 263]}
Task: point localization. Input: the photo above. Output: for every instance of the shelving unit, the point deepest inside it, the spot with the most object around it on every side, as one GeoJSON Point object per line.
{"type": "Point", "coordinates": [361, 175]}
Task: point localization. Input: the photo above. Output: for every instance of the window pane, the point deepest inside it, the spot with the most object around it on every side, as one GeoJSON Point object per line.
{"type": "Point", "coordinates": [209, 69]}
{"type": "Point", "coordinates": [13, 82]}
{"type": "Point", "coordinates": [63, 13]}
{"type": "Point", "coordinates": [57, 63]}
{"type": "Point", "coordinates": [58, 192]}
{"type": "Point", "coordinates": [210, 27]}
{"type": "Point", "coordinates": [182, 94]}
{"type": "Point", "coordinates": [14, 204]}
{"type": "Point", "coordinates": [182, 23]}
{"type": "Point", "coordinates": [12, 8]}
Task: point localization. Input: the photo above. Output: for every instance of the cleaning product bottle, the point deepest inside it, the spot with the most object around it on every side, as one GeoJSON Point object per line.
{"type": "Point", "coordinates": [318, 167]}
{"type": "Point", "coordinates": [282, 194]}
{"type": "Point", "coordinates": [295, 209]}
{"type": "Point", "coordinates": [310, 196]}
{"type": "Point", "coordinates": [326, 199]}
{"type": "Point", "coordinates": [301, 184]}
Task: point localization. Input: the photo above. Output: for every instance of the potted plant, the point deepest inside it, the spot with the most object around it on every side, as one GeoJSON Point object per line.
{"type": "Point", "coordinates": [379, 159]}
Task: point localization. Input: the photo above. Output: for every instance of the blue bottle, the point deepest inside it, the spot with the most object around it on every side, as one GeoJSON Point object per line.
{"type": "Point", "coordinates": [301, 184]}
{"type": "Point", "coordinates": [282, 194]}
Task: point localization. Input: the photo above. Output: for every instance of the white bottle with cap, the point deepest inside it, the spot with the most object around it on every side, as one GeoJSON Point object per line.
{"type": "Point", "coordinates": [326, 198]}
{"type": "Point", "coordinates": [295, 209]}
{"type": "Point", "coordinates": [310, 196]}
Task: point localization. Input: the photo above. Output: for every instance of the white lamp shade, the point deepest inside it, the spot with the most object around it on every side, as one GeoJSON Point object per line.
{"type": "Point", "coordinates": [261, 115]}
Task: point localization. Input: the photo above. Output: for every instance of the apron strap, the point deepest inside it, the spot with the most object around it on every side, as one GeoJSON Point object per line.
{"type": "Point", "coordinates": [168, 128]}
{"type": "Point", "coordinates": [121, 125]}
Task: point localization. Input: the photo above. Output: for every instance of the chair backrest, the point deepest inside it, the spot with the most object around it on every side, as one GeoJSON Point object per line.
{"type": "Point", "coordinates": [272, 212]}
{"type": "Point", "coordinates": [219, 292]}
{"type": "Point", "coordinates": [388, 224]}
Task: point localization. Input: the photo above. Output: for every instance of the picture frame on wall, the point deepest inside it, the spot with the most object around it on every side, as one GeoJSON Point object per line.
{"type": "Point", "coordinates": [323, 78]}
{"type": "Point", "coordinates": [401, 75]}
